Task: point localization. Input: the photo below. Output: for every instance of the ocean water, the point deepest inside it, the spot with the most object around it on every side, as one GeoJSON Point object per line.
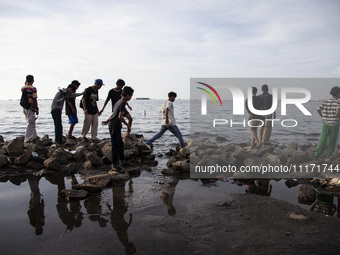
{"type": "Point", "coordinates": [35, 220]}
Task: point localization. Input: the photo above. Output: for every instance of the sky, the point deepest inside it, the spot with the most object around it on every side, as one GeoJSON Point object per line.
{"type": "Point", "coordinates": [157, 46]}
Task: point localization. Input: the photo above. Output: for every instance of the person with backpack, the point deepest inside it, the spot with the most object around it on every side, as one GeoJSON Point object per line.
{"type": "Point", "coordinates": [29, 104]}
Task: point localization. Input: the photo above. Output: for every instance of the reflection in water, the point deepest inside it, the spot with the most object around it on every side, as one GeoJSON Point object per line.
{"type": "Point", "coordinates": [324, 204]}
{"type": "Point", "coordinates": [36, 206]}
{"type": "Point", "coordinates": [167, 195]}
{"type": "Point", "coordinates": [94, 209]}
{"type": "Point", "coordinates": [118, 223]}
{"type": "Point", "coordinates": [259, 187]}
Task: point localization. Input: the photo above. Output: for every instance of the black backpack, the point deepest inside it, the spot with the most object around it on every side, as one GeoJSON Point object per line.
{"type": "Point", "coordinates": [24, 100]}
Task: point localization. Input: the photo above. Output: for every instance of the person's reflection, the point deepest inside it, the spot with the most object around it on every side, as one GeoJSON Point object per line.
{"type": "Point", "coordinates": [36, 206]}
{"type": "Point", "coordinates": [120, 207]}
{"type": "Point", "coordinates": [167, 195]}
{"type": "Point", "coordinates": [72, 218]}
{"type": "Point", "coordinates": [259, 187]}
{"type": "Point", "coordinates": [324, 204]}
{"type": "Point", "coordinates": [94, 209]}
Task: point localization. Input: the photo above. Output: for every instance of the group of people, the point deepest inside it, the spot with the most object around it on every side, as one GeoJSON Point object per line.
{"type": "Point", "coordinates": [329, 111]}
{"type": "Point", "coordinates": [119, 96]}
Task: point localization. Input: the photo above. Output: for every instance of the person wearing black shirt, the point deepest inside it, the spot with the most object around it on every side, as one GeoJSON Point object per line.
{"type": "Point", "coordinates": [115, 126]}
{"type": "Point", "coordinates": [89, 104]}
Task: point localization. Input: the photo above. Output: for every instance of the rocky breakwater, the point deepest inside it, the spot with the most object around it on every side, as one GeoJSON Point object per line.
{"type": "Point", "coordinates": [298, 161]}
{"type": "Point", "coordinates": [20, 158]}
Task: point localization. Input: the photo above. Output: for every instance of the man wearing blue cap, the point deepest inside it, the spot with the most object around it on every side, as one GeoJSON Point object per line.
{"type": "Point", "coordinates": [91, 112]}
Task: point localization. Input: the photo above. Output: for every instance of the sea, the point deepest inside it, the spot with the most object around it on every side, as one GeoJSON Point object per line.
{"type": "Point", "coordinates": [36, 220]}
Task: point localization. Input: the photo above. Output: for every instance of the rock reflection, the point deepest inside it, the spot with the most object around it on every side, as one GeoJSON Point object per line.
{"type": "Point", "coordinates": [94, 209]}
{"type": "Point", "coordinates": [260, 186]}
{"type": "Point", "coordinates": [36, 206]}
{"type": "Point", "coordinates": [118, 210]}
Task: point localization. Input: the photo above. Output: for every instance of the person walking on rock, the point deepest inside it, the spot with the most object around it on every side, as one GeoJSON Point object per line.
{"type": "Point", "coordinates": [168, 121]}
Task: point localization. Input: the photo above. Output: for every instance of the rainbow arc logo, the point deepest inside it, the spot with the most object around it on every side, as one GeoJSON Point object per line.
{"type": "Point", "coordinates": [209, 93]}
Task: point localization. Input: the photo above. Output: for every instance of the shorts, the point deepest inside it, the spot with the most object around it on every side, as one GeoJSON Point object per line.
{"type": "Point", "coordinates": [72, 118]}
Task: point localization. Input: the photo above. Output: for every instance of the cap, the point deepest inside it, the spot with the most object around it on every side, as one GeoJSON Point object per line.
{"type": "Point", "coordinates": [99, 82]}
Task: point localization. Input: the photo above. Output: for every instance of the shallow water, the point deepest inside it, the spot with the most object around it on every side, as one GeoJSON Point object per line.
{"type": "Point", "coordinates": [34, 219]}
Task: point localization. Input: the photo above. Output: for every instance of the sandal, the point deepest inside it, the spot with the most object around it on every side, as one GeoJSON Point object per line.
{"type": "Point", "coordinates": [118, 169]}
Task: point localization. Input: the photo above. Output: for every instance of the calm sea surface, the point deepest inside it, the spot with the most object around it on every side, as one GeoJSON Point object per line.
{"type": "Point", "coordinates": [35, 220]}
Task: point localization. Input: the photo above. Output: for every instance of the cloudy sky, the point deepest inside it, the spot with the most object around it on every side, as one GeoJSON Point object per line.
{"type": "Point", "coordinates": [157, 46]}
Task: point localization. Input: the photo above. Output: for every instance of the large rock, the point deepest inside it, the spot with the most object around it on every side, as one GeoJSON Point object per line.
{"type": "Point", "coordinates": [271, 159]}
{"type": "Point", "coordinates": [34, 165]}
{"type": "Point", "coordinates": [52, 163]}
{"type": "Point", "coordinates": [306, 194]}
{"type": "Point", "coordinates": [3, 160]}
{"type": "Point", "coordinates": [94, 158]}
{"type": "Point", "coordinates": [46, 141]}
{"type": "Point", "coordinates": [80, 152]}
{"type": "Point", "coordinates": [106, 150]}
{"type": "Point", "coordinates": [88, 187]}
{"type": "Point", "coordinates": [71, 194]}
{"type": "Point", "coordinates": [241, 155]}
{"type": "Point", "coordinates": [183, 166]}
{"type": "Point", "coordinates": [184, 152]}
{"type": "Point", "coordinates": [101, 180]}
{"type": "Point", "coordinates": [63, 156]}
{"type": "Point", "coordinates": [15, 148]}
{"type": "Point", "coordinates": [23, 159]}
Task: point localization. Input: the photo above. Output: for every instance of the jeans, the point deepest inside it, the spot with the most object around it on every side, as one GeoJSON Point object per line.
{"type": "Point", "coordinates": [172, 129]}
{"type": "Point", "coordinates": [117, 145]}
{"type": "Point", "coordinates": [56, 115]}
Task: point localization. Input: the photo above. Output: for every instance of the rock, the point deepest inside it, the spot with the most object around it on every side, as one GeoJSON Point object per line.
{"type": "Point", "coordinates": [101, 180]}
{"type": "Point", "coordinates": [170, 171]}
{"type": "Point", "coordinates": [335, 182]}
{"type": "Point", "coordinates": [88, 187]}
{"type": "Point", "coordinates": [253, 161]}
{"type": "Point", "coordinates": [118, 176]}
{"type": "Point", "coordinates": [263, 149]}
{"type": "Point", "coordinates": [282, 155]}
{"type": "Point", "coordinates": [52, 163]}
{"type": "Point", "coordinates": [106, 150]}
{"type": "Point", "coordinates": [221, 139]}
{"type": "Point", "coordinates": [291, 183]}
{"type": "Point", "coordinates": [293, 146]}
{"type": "Point", "coordinates": [184, 152]}
{"type": "Point", "coordinates": [271, 159]}
{"type": "Point", "coordinates": [1, 139]}
{"type": "Point", "coordinates": [298, 157]}
{"type": "Point", "coordinates": [133, 170]}
{"type": "Point", "coordinates": [46, 141]}
{"type": "Point", "coordinates": [181, 166]}
{"type": "Point", "coordinates": [129, 154]}
{"type": "Point", "coordinates": [149, 157]}
{"type": "Point", "coordinates": [94, 158]}
{"type": "Point", "coordinates": [15, 148]}
{"type": "Point", "coordinates": [171, 161]}
{"type": "Point", "coordinates": [71, 194]}
{"type": "Point", "coordinates": [32, 147]}
{"type": "Point", "coordinates": [144, 149]}
{"type": "Point", "coordinates": [72, 167]}
{"type": "Point", "coordinates": [87, 165]}
{"type": "Point", "coordinates": [63, 156]}
{"type": "Point", "coordinates": [241, 155]}
{"type": "Point", "coordinates": [307, 194]}
{"type": "Point", "coordinates": [92, 146]}
{"type": "Point", "coordinates": [34, 165]}
{"type": "Point", "coordinates": [80, 152]}
{"type": "Point", "coordinates": [23, 159]}
{"type": "Point", "coordinates": [70, 142]}
{"type": "Point", "coordinates": [3, 160]}
{"type": "Point", "coordinates": [2, 151]}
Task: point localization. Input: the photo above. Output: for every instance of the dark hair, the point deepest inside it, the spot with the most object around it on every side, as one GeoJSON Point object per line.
{"type": "Point", "coordinates": [334, 91]}
{"type": "Point", "coordinates": [265, 87]}
{"type": "Point", "coordinates": [29, 78]}
{"type": "Point", "coordinates": [254, 90]}
{"type": "Point", "coordinates": [127, 91]}
{"type": "Point", "coordinates": [120, 83]}
{"type": "Point", "coordinates": [172, 94]}
{"type": "Point", "coordinates": [71, 86]}
{"type": "Point", "coordinates": [76, 83]}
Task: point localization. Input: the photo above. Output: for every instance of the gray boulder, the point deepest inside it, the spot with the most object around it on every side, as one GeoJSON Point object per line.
{"type": "Point", "coordinates": [94, 158]}
{"type": "Point", "coordinates": [52, 163]}
{"type": "Point", "coordinates": [307, 194]}
{"type": "Point", "coordinates": [15, 148]}
{"type": "Point", "coordinates": [3, 160]}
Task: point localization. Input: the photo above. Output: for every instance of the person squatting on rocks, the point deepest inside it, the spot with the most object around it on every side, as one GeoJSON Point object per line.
{"type": "Point", "coordinates": [115, 126]}
{"type": "Point", "coordinates": [168, 121]}
{"type": "Point", "coordinates": [114, 95]}
{"type": "Point", "coordinates": [266, 129]}
{"type": "Point", "coordinates": [91, 112]}
{"type": "Point", "coordinates": [71, 109]}
{"type": "Point", "coordinates": [330, 113]}
{"type": "Point", "coordinates": [255, 120]}
{"type": "Point", "coordinates": [30, 107]}
{"type": "Point", "coordinates": [56, 109]}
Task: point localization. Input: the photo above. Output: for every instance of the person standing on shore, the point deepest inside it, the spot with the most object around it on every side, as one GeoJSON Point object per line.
{"type": "Point", "coordinates": [115, 95]}
{"type": "Point", "coordinates": [168, 121]}
{"type": "Point", "coordinates": [71, 109]}
{"type": "Point", "coordinates": [30, 107]}
{"type": "Point", "coordinates": [266, 129]}
{"type": "Point", "coordinates": [115, 126]}
{"type": "Point", "coordinates": [91, 112]}
{"type": "Point", "coordinates": [255, 120]}
{"type": "Point", "coordinates": [56, 109]}
{"type": "Point", "coordinates": [329, 111]}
